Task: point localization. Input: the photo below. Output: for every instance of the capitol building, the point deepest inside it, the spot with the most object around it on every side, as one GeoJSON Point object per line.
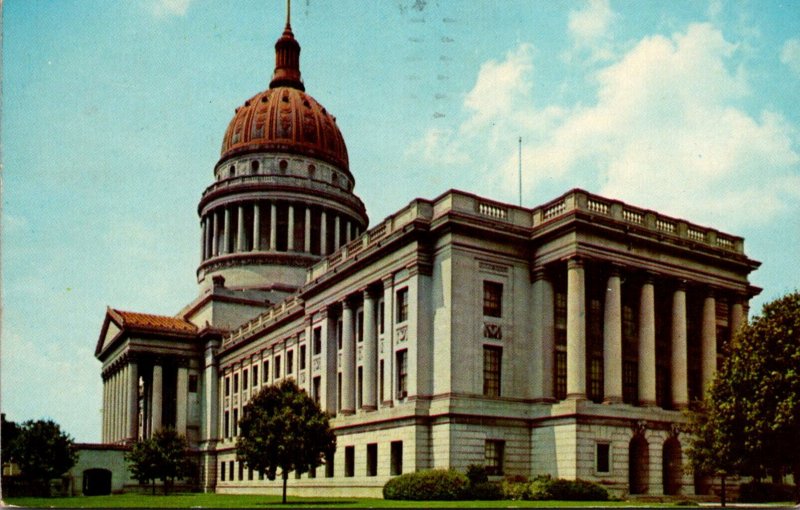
{"type": "Point", "coordinates": [565, 339]}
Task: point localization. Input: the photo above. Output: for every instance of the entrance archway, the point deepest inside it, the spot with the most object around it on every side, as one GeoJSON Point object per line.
{"type": "Point", "coordinates": [96, 482]}
{"type": "Point", "coordinates": [672, 469]}
{"type": "Point", "coordinates": [638, 465]}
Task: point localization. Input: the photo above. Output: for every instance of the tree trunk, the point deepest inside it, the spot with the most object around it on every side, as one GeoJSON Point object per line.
{"type": "Point", "coordinates": [153, 484]}
{"type": "Point", "coordinates": [285, 478]}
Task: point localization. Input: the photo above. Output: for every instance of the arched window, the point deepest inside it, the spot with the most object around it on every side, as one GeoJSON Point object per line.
{"type": "Point", "coordinates": [254, 167]}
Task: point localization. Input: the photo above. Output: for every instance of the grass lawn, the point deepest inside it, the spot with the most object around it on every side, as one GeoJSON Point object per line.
{"type": "Point", "coordinates": [197, 500]}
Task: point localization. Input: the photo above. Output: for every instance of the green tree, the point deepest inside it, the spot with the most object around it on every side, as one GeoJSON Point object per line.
{"type": "Point", "coordinates": [751, 418]}
{"type": "Point", "coordinates": [283, 428]}
{"type": "Point", "coordinates": [42, 452]}
{"type": "Point", "coordinates": [10, 431]}
{"type": "Point", "coordinates": [164, 456]}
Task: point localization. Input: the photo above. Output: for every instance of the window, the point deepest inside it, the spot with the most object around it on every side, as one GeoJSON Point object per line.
{"type": "Point", "coordinates": [255, 375]}
{"type": "Point", "coordinates": [493, 457]}
{"type": "Point", "coordinates": [560, 318]}
{"type": "Point", "coordinates": [226, 424]}
{"type": "Point", "coordinates": [290, 362]}
{"type": "Point", "coordinates": [235, 424]}
{"type": "Point", "coordinates": [630, 382]}
{"type": "Point", "coordinates": [596, 379]}
{"type": "Point", "coordinates": [396, 458]}
{"type": "Point", "coordinates": [302, 357]}
{"type": "Point", "coordinates": [228, 386]}
{"type": "Point", "coordinates": [492, 360]}
{"type": "Point", "coordinates": [380, 381]}
{"type": "Point", "coordinates": [561, 375]}
{"type": "Point", "coordinates": [349, 461]}
{"type": "Point", "coordinates": [372, 459]}
{"type": "Point", "coordinates": [603, 458]}
{"type": "Point", "coordinates": [316, 343]}
{"type": "Point", "coordinates": [381, 316]}
{"type": "Point", "coordinates": [402, 373]}
{"type": "Point", "coordinates": [339, 391]}
{"type": "Point", "coordinates": [360, 326]}
{"type": "Point", "coordinates": [402, 305]}
{"type": "Point", "coordinates": [235, 383]}
{"type": "Point", "coordinates": [312, 473]}
{"type": "Point", "coordinates": [254, 167]}
{"type": "Point", "coordinates": [329, 465]}
{"type": "Point", "coordinates": [230, 470]}
{"type": "Point", "coordinates": [222, 471]}
{"type": "Point", "coordinates": [339, 334]}
{"type": "Point", "coordinates": [492, 299]}
{"type": "Point", "coordinates": [244, 379]}
{"type": "Point", "coordinates": [315, 388]}
{"type": "Point", "coordinates": [241, 470]}
{"type": "Point", "coordinates": [249, 473]}
{"type": "Point", "coordinates": [360, 387]}
{"type": "Point", "coordinates": [277, 367]}
{"type": "Point", "coordinates": [265, 372]}
{"type": "Point", "coordinates": [192, 384]}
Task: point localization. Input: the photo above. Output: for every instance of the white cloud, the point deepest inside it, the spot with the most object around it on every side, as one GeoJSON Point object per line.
{"type": "Point", "coordinates": [165, 8]}
{"type": "Point", "coordinates": [666, 131]}
{"type": "Point", "coordinates": [589, 29]}
{"type": "Point", "coordinates": [790, 55]}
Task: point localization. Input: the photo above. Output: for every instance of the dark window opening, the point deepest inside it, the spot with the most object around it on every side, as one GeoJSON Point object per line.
{"type": "Point", "coordinates": [492, 358]}
{"type": "Point", "coordinates": [493, 457]}
{"type": "Point", "coordinates": [349, 461]}
{"type": "Point", "coordinates": [372, 459]}
{"type": "Point", "coordinates": [402, 305]}
{"type": "Point", "coordinates": [492, 299]}
{"type": "Point", "coordinates": [396, 458]}
{"type": "Point", "coordinates": [603, 458]}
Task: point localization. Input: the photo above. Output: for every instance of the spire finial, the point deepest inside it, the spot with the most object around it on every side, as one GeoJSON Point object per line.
{"type": "Point", "coordinates": [287, 57]}
{"type": "Point", "coordinates": [288, 13]}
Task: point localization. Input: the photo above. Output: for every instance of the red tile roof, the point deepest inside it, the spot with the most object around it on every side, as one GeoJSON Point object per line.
{"type": "Point", "coordinates": [154, 322]}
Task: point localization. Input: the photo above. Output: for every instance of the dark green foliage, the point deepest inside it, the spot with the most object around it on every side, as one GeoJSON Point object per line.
{"type": "Point", "coordinates": [164, 457]}
{"type": "Point", "coordinates": [476, 473]}
{"type": "Point", "coordinates": [547, 488]}
{"type": "Point", "coordinates": [10, 431]}
{"type": "Point", "coordinates": [41, 450]}
{"type": "Point", "coordinates": [283, 428]}
{"type": "Point", "coordinates": [757, 492]}
{"type": "Point", "coordinates": [516, 488]}
{"type": "Point", "coordinates": [486, 491]}
{"type": "Point", "coordinates": [433, 484]}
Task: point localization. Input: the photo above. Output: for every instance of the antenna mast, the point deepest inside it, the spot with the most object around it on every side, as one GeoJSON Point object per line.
{"type": "Point", "coordinates": [519, 172]}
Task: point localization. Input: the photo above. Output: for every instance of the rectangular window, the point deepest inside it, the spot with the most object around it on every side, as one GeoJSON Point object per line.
{"type": "Point", "coordinates": [402, 305]}
{"type": "Point", "coordinates": [603, 460]}
{"type": "Point", "coordinates": [402, 373]}
{"type": "Point", "coordinates": [560, 317]}
{"type": "Point", "coordinates": [381, 317]}
{"type": "Point", "coordinates": [226, 424]}
{"type": "Point", "coordinates": [235, 383]}
{"type": "Point", "coordinates": [329, 465]}
{"type": "Point", "coordinates": [339, 391]}
{"type": "Point", "coordinates": [360, 326]}
{"type": "Point", "coordinates": [596, 379]}
{"type": "Point", "coordinates": [561, 375]}
{"type": "Point", "coordinates": [349, 461]}
{"type": "Point", "coordinates": [230, 470]}
{"type": "Point", "coordinates": [245, 379]}
{"type": "Point", "coordinates": [360, 387]}
{"type": "Point", "coordinates": [255, 375]}
{"type": "Point", "coordinates": [315, 388]}
{"type": "Point", "coordinates": [192, 384]}
{"type": "Point", "coordinates": [260, 475]}
{"type": "Point", "coordinates": [277, 374]}
{"type": "Point", "coordinates": [312, 473]}
{"type": "Point", "coordinates": [630, 382]}
{"type": "Point", "coordinates": [249, 473]}
{"type": "Point", "coordinates": [241, 470]}
{"type": "Point", "coordinates": [265, 372]}
{"type": "Point", "coordinates": [339, 334]}
{"type": "Point", "coordinates": [235, 424]}
{"type": "Point", "coordinates": [380, 381]}
{"type": "Point", "coordinates": [492, 359]}
{"type": "Point", "coordinates": [396, 459]}
{"type": "Point", "coordinates": [492, 299]}
{"type": "Point", "coordinates": [290, 362]}
{"type": "Point", "coordinates": [316, 341]}
{"type": "Point", "coordinates": [493, 457]}
{"type": "Point", "coordinates": [302, 357]}
{"type": "Point", "coordinates": [228, 386]}
{"type": "Point", "coordinates": [222, 471]}
{"type": "Point", "coordinates": [372, 459]}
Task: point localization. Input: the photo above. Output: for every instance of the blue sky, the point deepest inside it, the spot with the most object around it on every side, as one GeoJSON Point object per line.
{"type": "Point", "coordinates": [113, 115]}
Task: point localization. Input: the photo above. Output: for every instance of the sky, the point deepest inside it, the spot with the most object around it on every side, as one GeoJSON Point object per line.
{"type": "Point", "coordinates": [113, 115]}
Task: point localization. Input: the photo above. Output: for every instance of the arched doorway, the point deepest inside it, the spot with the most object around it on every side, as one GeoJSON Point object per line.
{"type": "Point", "coordinates": [638, 465]}
{"type": "Point", "coordinates": [672, 469]}
{"type": "Point", "coordinates": [96, 482]}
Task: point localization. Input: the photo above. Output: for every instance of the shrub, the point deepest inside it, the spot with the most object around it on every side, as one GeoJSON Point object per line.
{"type": "Point", "coordinates": [758, 492]}
{"type": "Point", "coordinates": [477, 474]}
{"type": "Point", "coordinates": [545, 487]}
{"type": "Point", "coordinates": [485, 491]}
{"type": "Point", "coordinates": [433, 484]}
{"type": "Point", "coordinates": [516, 488]}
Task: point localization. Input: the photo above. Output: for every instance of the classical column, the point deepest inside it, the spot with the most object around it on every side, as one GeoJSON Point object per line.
{"type": "Point", "coordinates": [708, 342]}
{"type": "Point", "coordinates": [647, 345]}
{"type": "Point", "coordinates": [226, 233]}
{"type": "Point", "coordinates": [290, 230]}
{"type": "Point", "coordinates": [133, 401]}
{"type": "Point", "coordinates": [211, 392]}
{"type": "Point", "coordinates": [214, 234]}
{"type": "Point", "coordinates": [330, 355]}
{"type": "Point", "coordinates": [347, 231]}
{"type": "Point", "coordinates": [114, 406]}
{"type": "Point", "coordinates": [336, 232]}
{"type": "Point", "coordinates": [680, 385]}
{"type": "Point", "coordinates": [348, 358]}
{"type": "Point", "coordinates": [203, 238]}
{"type": "Point", "coordinates": [737, 316]}
{"type": "Point", "coordinates": [307, 227]}
{"type": "Point", "coordinates": [576, 330]}
{"type": "Point", "coordinates": [240, 239]}
{"type": "Point", "coordinates": [323, 233]}
{"type": "Point", "coordinates": [369, 401]}
{"type": "Point", "coordinates": [543, 336]}
{"type": "Point", "coordinates": [273, 226]}
{"type": "Point", "coordinates": [388, 341]}
{"type": "Point", "coordinates": [181, 395]}
{"type": "Point", "coordinates": [256, 227]}
{"type": "Point", "coordinates": [123, 403]}
{"type": "Point", "coordinates": [157, 396]}
{"type": "Point", "coordinates": [612, 340]}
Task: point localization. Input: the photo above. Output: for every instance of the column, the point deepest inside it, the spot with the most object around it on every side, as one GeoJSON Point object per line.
{"type": "Point", "coordinates": [256, 227]}
{"type": "Point", "coordinates": [576, 330]}
{"type": "Point", "coordinates": [647, 345]}
{"type": "Point", "coordinates": [307, 236]}
{"type": "Point", "coordinates": [211, 384]}
{"type": "Point", "coordinates": [323, 233]}
{"type": "Point", "coordinates": [543, 336]}
{"type": "Point", "coordinates": [708, 342]}
{"type": "Point", "coordinates": [114, 409]}
{"type": "Point", "coordinates": [680, 384]}
{"type": "Point", "coordinates": [348, 358]}
{"type": "Point", "coordinates": [737, 316]}
{"type": "Point", "coordinates": [273, 226]}
{"type": "Point", "coordinates": [133, 401]}
{"type": "Point", "coordinates": [336, 232]}
{"type": "Point", "coordinates": [158, 389]}
{"type": "Point", "coordinates": [612, 340]}
{"type": "Point", "coordinates": [388, 341]}
{"type": "Point", "coordinates": [203, 238]}
{"type": "Point", "coordinates": [180, 399]}
{"type": "Point", "coordinates": [226, 234]}
{"type": "Point", "coordinates": [330, 356]}
{"type": "Point", "coordinates": [347, 230]}
{"type": "Point", "coordinates": [103, 434]}
{"type": "Point", "coordinates": [369, 401]}
{"type": "Point", "coordinates": [214, 235]}
{"type": "Point", "coordinates": [240, 239]}
{"type": "Point", "coordinates": [290, 230]}
{"type": "Point", "coordinates": [124, 410]}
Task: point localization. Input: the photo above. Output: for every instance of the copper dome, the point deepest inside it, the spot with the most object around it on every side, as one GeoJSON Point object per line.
{"type": "Point", "coordinates": [284, 117]}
